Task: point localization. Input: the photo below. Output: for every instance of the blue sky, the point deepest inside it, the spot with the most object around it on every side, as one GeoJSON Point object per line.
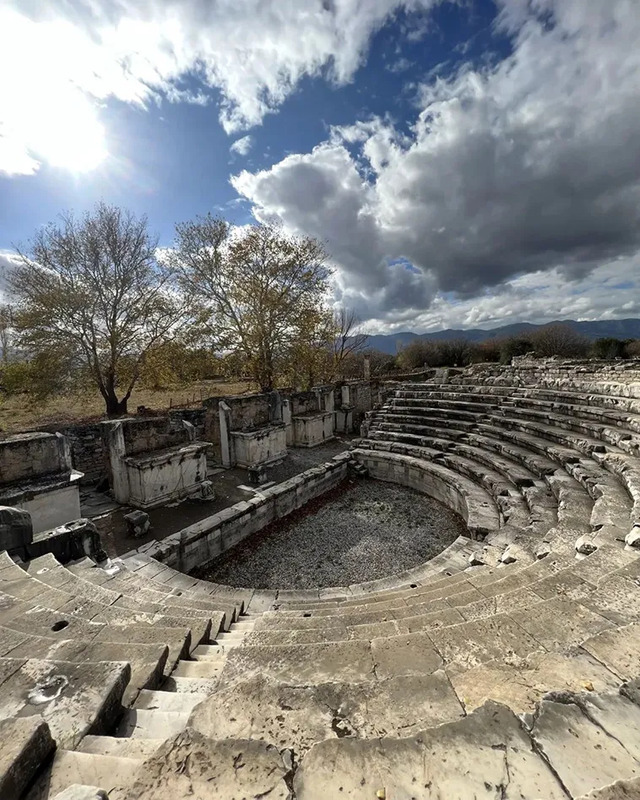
{"type": "Point", "coordinates": [468, 163]}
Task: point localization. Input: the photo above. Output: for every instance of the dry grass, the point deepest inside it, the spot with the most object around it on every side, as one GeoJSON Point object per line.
{"type": "Point", "coordinates": [21, 412]}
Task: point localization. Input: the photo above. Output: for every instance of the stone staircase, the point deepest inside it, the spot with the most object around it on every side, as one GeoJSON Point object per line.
{"type": "Point", "coordinates": [113, 761]}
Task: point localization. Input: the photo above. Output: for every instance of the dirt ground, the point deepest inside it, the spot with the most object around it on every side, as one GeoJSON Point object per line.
{"type": "Point", "coordinates": [22, 412]}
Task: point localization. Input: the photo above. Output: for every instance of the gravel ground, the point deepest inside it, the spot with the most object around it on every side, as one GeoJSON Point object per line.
{"type": "Point", "coordinates": [360, 531]}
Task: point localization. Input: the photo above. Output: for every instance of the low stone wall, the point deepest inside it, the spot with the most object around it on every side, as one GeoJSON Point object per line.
{"type": "Point", "coordinates": [200, 543]}
{"type": "Point", "coordinates": [28, 456]}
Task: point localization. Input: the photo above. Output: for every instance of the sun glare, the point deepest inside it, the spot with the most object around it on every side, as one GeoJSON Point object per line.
{"type": "Point", "coordinates": [72, 139]}
{"type": "Point", "coordinates": [48, 113]}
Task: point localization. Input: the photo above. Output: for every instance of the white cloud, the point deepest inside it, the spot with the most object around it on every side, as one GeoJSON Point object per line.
{"type": "Point", "coordinates": [242, 146]}
{"type": "Point", "coordinates": [8, 260]}
{"type": "Point", "coordinates": [608, 292]}
{"type": "Point", "coordinates": [528, 167]}
{"type": "Point", "coordinates": [255, 52]}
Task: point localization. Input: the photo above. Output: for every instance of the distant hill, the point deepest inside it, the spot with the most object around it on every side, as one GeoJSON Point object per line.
{"type": "Point", "coordinates": [618, 328]}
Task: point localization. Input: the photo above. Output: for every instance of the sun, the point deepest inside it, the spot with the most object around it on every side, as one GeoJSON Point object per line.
{"type": "Point", "coordinates": [73, 138]}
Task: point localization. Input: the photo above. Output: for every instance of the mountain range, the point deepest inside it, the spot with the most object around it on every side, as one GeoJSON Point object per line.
{"type": "Point", "coordinates": [618, 328]}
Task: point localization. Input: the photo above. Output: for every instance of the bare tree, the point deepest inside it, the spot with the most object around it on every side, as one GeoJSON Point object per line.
{"type": "Point", "coordinates": [257, 293]}
{"type": "Point", "coordinates": [91, 288]}
{"type": "Point", "coordinates": [559, 339]}
{"type": "Point", "coordinates": [348, 337]}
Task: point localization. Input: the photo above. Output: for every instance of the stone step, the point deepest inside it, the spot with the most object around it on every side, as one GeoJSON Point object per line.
{"type": "Point", "coordinates": [299, 717]}
{"type": "Point", "coordinates": [141, 595]}
{"type": "Point", "coordinates": [154, 700]}
{"type": "Point", "coordinates": [483, 756]}
{"type": "Point", "coordinates": [73, 698]}
{"type": "Point", "coordinates": [590, 742]}
{"type": "Point", "coordinates": [552, 625]}
{"type": "Point", "coordinates": [147, 661]}
{"type": "Point", "coordinates": [113, 774]}
{"type": "Point", "coordinates": [25, 743]}
{"type": "Point", "coordinates": [190, 685]}
{"type": "Point", "coordinates": [149, 567]}
{"type": "Point", "coordinates": [209, 652]}
{"type": "Point", "coordinates": [138, 748]}
{"type": "Point", "coordinates": [142, 723]}
{"type": "Point", "coordinates": [197, 669]}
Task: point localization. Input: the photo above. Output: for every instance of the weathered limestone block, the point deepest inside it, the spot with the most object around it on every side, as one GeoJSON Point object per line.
{"type": "Point", "coordinates": [25, 744]}
{"type": "Point", "coordinates": [584, 755]}
{"type": "Point", "coordinates": [585, 545]}
{"type": "Point", "coordinates": [77, 539]}
{"type": "Point", "coordinates": [313, 428]}
{"type": "Point", "coordinates": [16, 529]}
{"type": "Point", "coordinates": [298, 717]}
{"type": "Point", "coordinates": [632, 539]}
{"type": "Point", "coordinates": [260, 446]}
{"type": "Point", "coordinates": [485, 755]}
{"type": "Point", "coordinates": [192, 765]}
{"type": "Point", "coordinates": [138, 523]}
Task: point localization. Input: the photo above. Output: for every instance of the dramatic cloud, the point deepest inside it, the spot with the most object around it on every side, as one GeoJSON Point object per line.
{"type": "Point", "coordinates": [242, 146]}
{"type": "Point", "coordinates": [529, 167]}
{"type": "Point", "coordinates": [63, 57]}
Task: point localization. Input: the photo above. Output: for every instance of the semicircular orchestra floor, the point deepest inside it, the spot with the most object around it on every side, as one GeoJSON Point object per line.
{"type": "Point", "coordinates": [361, 531]}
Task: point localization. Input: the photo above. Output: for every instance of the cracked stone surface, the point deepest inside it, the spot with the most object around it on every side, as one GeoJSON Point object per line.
{"type": "Point", "coordinates": [485, 756]}
{"type": "Point", "coordinates": [522, 684]}
{"type": "Point", "coordinates": [584, 756]}
{"type": "Point", "coordinates": [300, 665]}
{"type": "Point", "coordinates": [299, 716]}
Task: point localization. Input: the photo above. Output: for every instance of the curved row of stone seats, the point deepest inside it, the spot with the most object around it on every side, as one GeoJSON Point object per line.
{"type": "Point", "coordinates": [571, 410]}
{"type": "Point", "coordinates": [469, 596]}
{"type": "Point", "coordinates": [24, 588]}
{"type": "Point", "coordinates": [530, 438]}
{"type": "Point", "coordinates": [524, 514]}
{"type": "Point", "coordinates": [542, 494]}
{"type": "Point", "coordinates": [142, 565]}
{"type": "Point", "coordinates": [549, 496]}
{"type": "Point", "coordinates": [141, 594]}
{"type": "Point", "coordinates": [524, 637]}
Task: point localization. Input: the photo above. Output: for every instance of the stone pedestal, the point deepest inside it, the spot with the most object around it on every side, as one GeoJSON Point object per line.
{"type": "Point", "coordinates": [156, 478]}
{"type": "Point", "coordinates": [312, 429]}
{"type": "Point", "coordinates": [36, 475]}
{"type": "Point", "coordinates": [16, 530]}
{"type": "Point", "coordinates": [165, 477]}
{"type": "Point", "coordinates": [259, 446]}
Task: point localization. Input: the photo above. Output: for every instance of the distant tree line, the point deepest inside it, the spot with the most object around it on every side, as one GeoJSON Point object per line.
{"type": "Point", "coordinates": [555, 339]}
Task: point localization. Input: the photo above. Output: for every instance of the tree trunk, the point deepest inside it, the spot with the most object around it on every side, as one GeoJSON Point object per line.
{"type": "Point", "coordinates": [115, 407]}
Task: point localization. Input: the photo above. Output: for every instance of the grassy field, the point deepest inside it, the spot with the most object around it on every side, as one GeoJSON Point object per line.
{"type": "Point", "coordinates": [21, 412]}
